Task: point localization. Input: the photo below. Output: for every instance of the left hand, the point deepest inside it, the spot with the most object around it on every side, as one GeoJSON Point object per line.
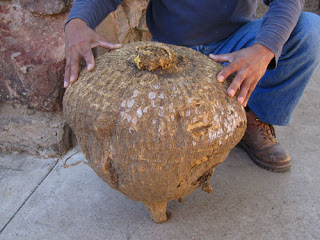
{"type": "Point", "coordinates": [249, 65]}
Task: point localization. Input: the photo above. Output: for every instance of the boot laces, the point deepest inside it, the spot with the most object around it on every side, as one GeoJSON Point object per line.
{"type": "Point", "coordinates": [266, 128]}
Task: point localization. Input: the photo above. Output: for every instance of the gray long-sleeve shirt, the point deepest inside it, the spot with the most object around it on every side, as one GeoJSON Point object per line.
{"type": "Point", "coordinates": [196, 22]}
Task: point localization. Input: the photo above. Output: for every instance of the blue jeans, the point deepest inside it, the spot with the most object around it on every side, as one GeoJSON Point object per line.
{"type": "Point", "coordinates": [279, 90]}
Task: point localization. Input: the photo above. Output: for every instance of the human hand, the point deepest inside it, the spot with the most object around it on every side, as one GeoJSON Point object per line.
{"type": "Point", "coordinates": [79, 40]}
{"type": "Point", "coordinates": [249, 65]}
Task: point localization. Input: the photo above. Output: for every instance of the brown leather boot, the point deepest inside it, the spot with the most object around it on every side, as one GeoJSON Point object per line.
{"type": "Point", "coordinates": [259, 141]}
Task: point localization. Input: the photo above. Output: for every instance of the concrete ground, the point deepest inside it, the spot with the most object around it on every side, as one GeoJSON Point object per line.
{"type": "Point", "coordinates": [40, 199]}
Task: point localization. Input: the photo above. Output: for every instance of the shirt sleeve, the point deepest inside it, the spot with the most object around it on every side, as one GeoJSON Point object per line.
{"type": "Point", "coordinates": [92, 11]}
{"type": "Point", "coordinates": [278, 24]}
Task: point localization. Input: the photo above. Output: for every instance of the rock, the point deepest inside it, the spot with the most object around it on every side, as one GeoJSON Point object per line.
{"type": "Point", "coordinates": [31, 82]}
{"type": "Point", "coordinates": [25, 130]}
{"type": "Point", "coordinates": [46, 7]}
{"type": "Point", "coordinates": [153, 121]}
{"type": "Point", "coordinates": [311, 5]}
{"type": "Point", "coordinates": [125, 24]}
{"type": "Point", "coordinates": [31, 58]}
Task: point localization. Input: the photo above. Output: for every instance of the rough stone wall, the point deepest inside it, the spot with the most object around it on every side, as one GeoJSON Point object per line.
{"type": "Point", "coordinates": [40, 133]}
{"type": "Point", "coordinates": [126, 24]}
{"type": "Point", "coordinates": [31, 57]}
{"type": "Point", "coordinates": [32, 65]}
{"type": "Point", "coordinates": [312, 6]}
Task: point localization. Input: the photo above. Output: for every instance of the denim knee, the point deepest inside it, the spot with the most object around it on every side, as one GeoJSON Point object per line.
{"type": "Point", "coordinates": [308, 31]}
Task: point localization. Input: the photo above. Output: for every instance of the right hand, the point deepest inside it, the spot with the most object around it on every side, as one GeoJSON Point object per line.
{"type": "Point", "coordinates": [79, 40]}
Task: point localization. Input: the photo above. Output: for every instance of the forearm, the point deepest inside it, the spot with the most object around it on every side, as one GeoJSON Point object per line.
{"type": "Point", "coordinates": [93, 11]}
{"type": "Point", "coordinates": [278, 24]}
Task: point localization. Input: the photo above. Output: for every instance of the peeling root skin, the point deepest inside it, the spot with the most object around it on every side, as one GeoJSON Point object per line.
{"type": "Point", "coordinates": [206, 187]}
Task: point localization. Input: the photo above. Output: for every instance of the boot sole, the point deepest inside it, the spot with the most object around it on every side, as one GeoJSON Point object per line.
{"type": "Point", "coordinates": [262, 164]}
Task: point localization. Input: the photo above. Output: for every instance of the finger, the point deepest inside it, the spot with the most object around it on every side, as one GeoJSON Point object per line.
{"type": "Point", "coordinates": [74, 69]}
{"type": "Point", "coordinates": [227, 71]}
{"type": "Point", "coordinates": [66, 75]}
{"type": "Point", "coordinates": [89, 58]}
{"type": "Point", "coordinates": [236, 83]}
{"type": "Point", "coordinates": [221, 57]}
{"type": "Point", "coordinates": [245, 103]}
{"type": "Point", "coordinates": [108, 45]}
{"type": "Point", "coordinates": [244, 90]}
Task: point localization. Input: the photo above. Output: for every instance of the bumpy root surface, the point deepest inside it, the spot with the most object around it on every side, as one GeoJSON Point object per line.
{"type": "Point", "coordinates": [158, 211]}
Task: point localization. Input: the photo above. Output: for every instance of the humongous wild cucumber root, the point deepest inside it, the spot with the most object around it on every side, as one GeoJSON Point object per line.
{"type": "Point", "coordinates": [153, 121]}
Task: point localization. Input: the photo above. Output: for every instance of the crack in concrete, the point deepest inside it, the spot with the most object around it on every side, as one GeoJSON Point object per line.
{"type": "Point", "coordinates": [24, 202]}
{"type": "Point", "coordinates": [11, 169]}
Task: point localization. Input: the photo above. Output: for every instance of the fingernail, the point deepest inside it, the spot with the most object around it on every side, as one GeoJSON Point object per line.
{"type": "Point", "coordinates": [231, 92]}
{"type": "Point", "coordinates": [72, 78]}
{"type": "Point", "coordinates": [240, 100]}
{"type": "Point", "coordinates": [65, 84]}
{"type": "Point", "coordinates": [118, 45]}
{"type": "Point", "coordinates": [220, 78]}
{"type": "Point", "coordinates": [211, 55]}
{"type": "Point", "coordinates": [90, 67]}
